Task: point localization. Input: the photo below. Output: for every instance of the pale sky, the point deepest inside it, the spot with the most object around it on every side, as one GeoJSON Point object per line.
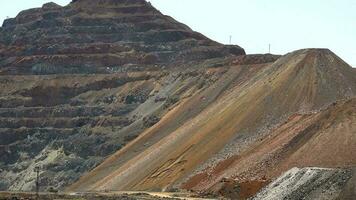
{"type": "Point", "coordinates": [253, 24]}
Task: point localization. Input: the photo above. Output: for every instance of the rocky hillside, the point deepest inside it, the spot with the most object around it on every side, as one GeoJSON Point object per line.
{"type": "Point", "coordinates": [79, 82]}
{"type": "Point", "coordinates": [312, 183]}
{"type": "Point", "coordinates": [261, 124]}
{"type": "Point", "coordinates": [312, 94]}
{"type": "Point", "coordinates": [100, 36]}
{"type": "Point", "coordinates": [108, 95]}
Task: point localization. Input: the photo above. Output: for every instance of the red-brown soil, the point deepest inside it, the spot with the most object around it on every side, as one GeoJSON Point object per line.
{"type": "Point", "coordinates": [262, 124]}
{"type": "Point", "coordinates": [115, 96]}
{"type": "Point", "coordinates": [322, 139]}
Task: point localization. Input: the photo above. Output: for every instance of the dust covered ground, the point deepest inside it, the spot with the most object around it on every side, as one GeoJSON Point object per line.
{"type": "Point", "coordinates": [100, 196]}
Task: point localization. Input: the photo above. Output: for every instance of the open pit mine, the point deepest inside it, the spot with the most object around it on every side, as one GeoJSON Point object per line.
{"type": "Point", "coordinates": [111, 99]}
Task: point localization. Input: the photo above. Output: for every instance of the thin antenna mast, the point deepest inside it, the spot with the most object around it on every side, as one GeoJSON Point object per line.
{"type": "Point", "coordinates": [269, 48]}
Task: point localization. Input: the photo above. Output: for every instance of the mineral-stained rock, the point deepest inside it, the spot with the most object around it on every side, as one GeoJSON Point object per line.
{"type": "Point", "coordinates": [294, 112]}
{"type": "Point", "coordinates": [114, 95]}
{"type": "Point", "coordinates": [79, 82]}
{"type": "Point", "coordinates": [92, 36]}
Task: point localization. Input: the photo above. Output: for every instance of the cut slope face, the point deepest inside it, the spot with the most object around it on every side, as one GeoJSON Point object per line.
{"type": "Point", "coordinates": [300, 82]}
{"type": "Point", "coordinates": [79, 82]}
{"type": "Point", "coordinates": [310, 183]}
{"type": "Point", "coordinates": [100, 37]}
{"type": "Point", "coordinates": [69, 123]}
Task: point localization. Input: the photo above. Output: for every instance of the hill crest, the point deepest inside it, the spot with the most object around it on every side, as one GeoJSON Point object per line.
{"type": "Point", "coordinates": [101, 36]}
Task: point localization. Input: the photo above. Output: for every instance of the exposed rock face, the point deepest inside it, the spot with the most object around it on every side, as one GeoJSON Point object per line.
{"type": "Point", "coordinates": [113, 95]}
{"type": "Point", "coordinates": [240, 134]}
{"type": "Point", "coordinates": [311, 183]}
{"type": "Point", "coordinates": [92, 36]}
{"type": "Point", "coordinates": [81, 81]}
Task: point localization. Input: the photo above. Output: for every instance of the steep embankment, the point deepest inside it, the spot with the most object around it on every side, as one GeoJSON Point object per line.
{"type": "Point", "coordinates": [300, 82]}
{"type": "Point", "coordinates": [324, 79]}
{"type": "Point", "coordinates": [311, 183]}
{"type": "Point", "coordinates": [82, 81]}
{"type": "Point", "coordinates": [79, 82]}
{"type": "Point", "coordinates": [319, 139]}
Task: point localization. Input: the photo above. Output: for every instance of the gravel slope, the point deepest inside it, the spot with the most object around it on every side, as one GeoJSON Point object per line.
{"type": "Point", "coordinates": [308, 183]}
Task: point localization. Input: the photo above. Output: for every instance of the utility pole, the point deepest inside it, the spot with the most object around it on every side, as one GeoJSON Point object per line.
{"type": "Point", "coordinates": [269, 48]}
{"type": "Point", "coordinates": [230, 39]}
{"type": "Point", "coordinates": [37, 170]}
